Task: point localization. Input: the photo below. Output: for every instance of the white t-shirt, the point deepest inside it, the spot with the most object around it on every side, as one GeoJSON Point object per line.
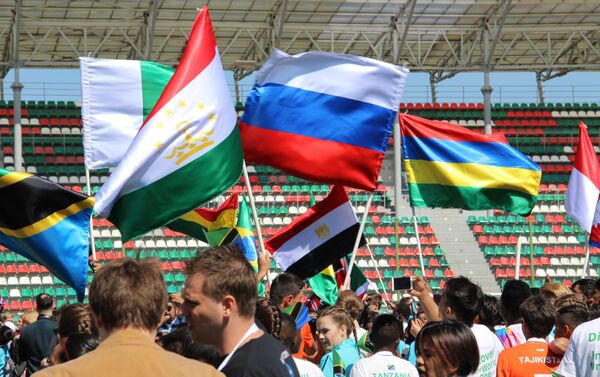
{"type": "Point", "coordinates": [383, 363]}
{"type": "Point", "coordinates": [582, 358]}
{"type": "Point", "coordinates": [489, 348]}
{"type": "Point", "coordinates": [308, 369]}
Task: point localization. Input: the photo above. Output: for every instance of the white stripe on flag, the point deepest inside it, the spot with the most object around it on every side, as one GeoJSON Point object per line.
{"type": "Point", "coordinates": [111, 117]}
{"type": "Point", "coordinates": [336, 221]}
{"type": "Point", "coordinates": [355, 77]}
{"type": "Point", "coordinates": [582, 199]}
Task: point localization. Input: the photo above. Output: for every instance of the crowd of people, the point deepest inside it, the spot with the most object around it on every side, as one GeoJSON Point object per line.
{"type": "Point", "coordinates": [218, 326]}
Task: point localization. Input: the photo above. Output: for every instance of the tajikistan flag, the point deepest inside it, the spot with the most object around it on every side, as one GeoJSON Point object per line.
{"type": "Point", "coordinates": [188, 150]}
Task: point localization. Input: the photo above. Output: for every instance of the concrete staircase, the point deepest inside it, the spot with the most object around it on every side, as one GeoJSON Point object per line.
{"type": "Point", "coordinates": [456, 239]}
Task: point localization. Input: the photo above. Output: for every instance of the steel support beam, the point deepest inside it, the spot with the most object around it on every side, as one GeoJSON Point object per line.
{"type": "Point", "coordinates": [282, 15]}
{"type": "Point", "coordinates": [486, 89]}
{"type": "Point", "coordinates": [17, 87]}
{"type": "Point", "coordinates": [540, 88]}
{"type": "Point", "coordinates": [149, 25]}
{"type": "Point", "coordinates": [432, 87]}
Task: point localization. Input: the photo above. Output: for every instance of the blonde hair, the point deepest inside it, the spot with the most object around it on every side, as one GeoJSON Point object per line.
{"type": "Point", "coordinates": [341, 317]}
{"type": "Point", "coordinates": [554, 291]}
{"type": "Point", "coordinates": [29, 317]}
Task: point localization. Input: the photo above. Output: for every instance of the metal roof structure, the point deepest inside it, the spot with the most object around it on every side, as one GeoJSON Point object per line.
{"type": "Point", "coordinates": [442, 37]}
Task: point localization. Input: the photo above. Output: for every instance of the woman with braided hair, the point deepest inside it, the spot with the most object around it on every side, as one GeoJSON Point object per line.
{"type": "Point", "coordinates": [336, 331]}
{"type": "Point", "coordinates": [268, 315]}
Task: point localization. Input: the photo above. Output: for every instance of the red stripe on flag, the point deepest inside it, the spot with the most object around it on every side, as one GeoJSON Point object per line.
{"type": "Point", "coordinates": [336, 198]}
{"type": "Point", "coordinates": [586, 160]}
{"type": "Point", "coordinates": [424, 128]}
{"type": "Point", "coordinates": [199, 52]}
{"type": "Point", "coordinates": [351, 165]}
{"type": "Point", "coordinates": [213, 214]}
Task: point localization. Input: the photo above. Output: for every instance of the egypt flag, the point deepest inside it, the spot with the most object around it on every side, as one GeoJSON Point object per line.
{"type": "Point", "coordinates": [584, 184]}
{"type": "Point", "coordinates": [188, 150]}
{"type": "Point", "coordinates": [319, 237]}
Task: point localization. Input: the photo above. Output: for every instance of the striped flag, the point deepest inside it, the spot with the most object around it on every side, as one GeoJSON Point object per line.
{"type": "Point", "coordinates": [583, 190]}
{"type": "Point", "coordinates": [317, 238]}
{"type": "Point", "coordinates": [116, 98]}
{"type": "Point", "coordinates": [323, 117]}
{"type": "Point", "coordinates": [209, 225]}
{"type": "Point", "coordinates": [47, 224]}
{"type": "Point", "coordinates": [187, 152]}
{"type": "Point", "coordinates": [449, 166]}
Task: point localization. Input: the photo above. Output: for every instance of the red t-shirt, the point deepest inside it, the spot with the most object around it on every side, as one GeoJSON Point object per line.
{"type": "Point", "coordinates": [531, 359]}
{"type": "Point", "coordinates": [307, 342]}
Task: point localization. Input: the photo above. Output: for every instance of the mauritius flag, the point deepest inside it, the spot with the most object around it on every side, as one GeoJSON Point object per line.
{"type": "Point", "coordinates": [187, 152]}
{"type": "Point", "coordinates": [452, 167]}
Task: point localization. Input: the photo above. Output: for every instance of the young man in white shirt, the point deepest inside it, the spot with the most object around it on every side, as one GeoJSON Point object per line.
{"type": "Point", "coordinates": [385, 337]}
{"type": "Point", "coordinates": [582, 358]}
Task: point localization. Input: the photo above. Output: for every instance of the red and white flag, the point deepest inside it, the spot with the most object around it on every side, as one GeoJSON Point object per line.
{"type": "Point", "coordinates": [584, 184]}
{"type": "Point", "coordinates": [320, 237]}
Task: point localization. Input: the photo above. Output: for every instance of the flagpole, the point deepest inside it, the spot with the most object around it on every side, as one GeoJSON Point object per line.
{"type": "Point", "coordinates": [89, 192]}
{"type": "Point", "coordinates": [418, 241]}
{"type": "Point", "coordinates": [518, 258]}
{"type": "Point", "coordinates": [531, 251]}
{"type": "Point", "coordinates": [261, 243]}
{"type": "Point", "coordinates": [586, 261]}
{"type": "Point", "coordinates": [376, 269]}
{"type": "Point", "coordinates": [357, 242]}
{"type": "Point", "coordinates": [397, 186]}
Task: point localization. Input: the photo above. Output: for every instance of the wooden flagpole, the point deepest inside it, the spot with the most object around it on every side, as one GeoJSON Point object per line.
{"type": "Point", "coordinates": [89, 192]}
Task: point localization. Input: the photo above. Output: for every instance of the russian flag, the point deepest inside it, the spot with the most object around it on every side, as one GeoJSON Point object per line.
{"type": "Point", "coordinates": [584, 184]}
{"type": "Point", "coordinates": [319, 237]}
{"type": "Point", "coordinates": [323, 117]}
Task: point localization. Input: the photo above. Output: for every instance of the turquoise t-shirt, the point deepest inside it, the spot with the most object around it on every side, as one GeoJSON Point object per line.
{"type": "Point", "coordinates": [347, 351]}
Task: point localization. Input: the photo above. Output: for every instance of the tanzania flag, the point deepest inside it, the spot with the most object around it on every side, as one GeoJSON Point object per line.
{"type": "Point", "coordinates": [209, 225]}
{"type": "Point", "coordinates": [339, 367]}
{"type": "Point", "coordinates": [452, 167]}
{"type": "Point", "coordinates": [188, 150]}
{"type": "Point", "coordinates": [48, 224]}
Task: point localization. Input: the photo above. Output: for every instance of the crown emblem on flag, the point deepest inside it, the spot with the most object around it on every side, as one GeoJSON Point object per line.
{"type": "Point", "coordinates": [322, 232]}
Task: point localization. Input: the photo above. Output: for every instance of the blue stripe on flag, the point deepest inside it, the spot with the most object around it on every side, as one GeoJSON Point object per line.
{"type": "Point", "coordinates": [62, 248]}
{"type": "Point", "coordinates": [322, 116]}
{"type": "Point", "coordinates": [495, 154]}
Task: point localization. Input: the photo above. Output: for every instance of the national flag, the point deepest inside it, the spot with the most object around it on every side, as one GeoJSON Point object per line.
{"type": "Point", "coordinates": [47, 224]}
{"type": "Point", "coordinates": [450, 166]}
{"type": "Point", "coordinates": [116, 97]}
{"type": "Point", "coordinates": [300, 313]}
{"type": "Point", "coordinates": [243, 235]}
{"type": "Point", "coordinates": [339, 366]}
{"type": "Point", "coordinates": [322, 116]}
{"type": "Point", "coordinates": [209, 225]}
{"type": "Point", "coordinates": [583, 190]}
{"type": "Point", "coordinates": [187, 152]}
{"type": "Point", "coordinates": [327, 283]}
{"type": "Point", "coordinates": [319, 237]}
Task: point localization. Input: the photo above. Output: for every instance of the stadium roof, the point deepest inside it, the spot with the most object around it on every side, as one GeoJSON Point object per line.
{"type": "Point", "coordinates": [441, 37]}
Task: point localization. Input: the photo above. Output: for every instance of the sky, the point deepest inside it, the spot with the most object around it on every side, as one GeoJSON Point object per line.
{"type": "Point", "coordinates": [579, 87]}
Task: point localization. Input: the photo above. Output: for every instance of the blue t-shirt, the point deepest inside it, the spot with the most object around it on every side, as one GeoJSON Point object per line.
{"type": "Point", "coordinates": [4, 356]}
{"type": "Point", "coordinates": [347, 351]}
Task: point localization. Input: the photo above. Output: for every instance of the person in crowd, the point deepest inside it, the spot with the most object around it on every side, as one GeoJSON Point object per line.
{"type": "Point", "coordinates": [490, 316]}
{"type": "Point", "coordinates": [372, 302]}
{"type": "Point", "coordinates": [75, 323]}
{"type": "Point", "coordinates": [28, 318]}
{"type": "Point", "coordinates": [336, 332]}
{"type": "Point", "coordinates": [7, 333]}
{"type": "Point", "coordinates": [38, 339]}
{"type": "Point", "coordinates": [581, 358]}
{"type": "Point", "coordinates": [596, 296]}
{"type": "Point", "coordinates": [290, 338]}
{"type": "Point", "coordinates": [286, 291]}
{"type": "Point", "coordinates": [127, 298]}
{"type": "Point", "coordinates": [514, 293]}
{"type": "Point", "coordinates": [446, 348]}
{"type": "Point", "coordinates": [462, 301]}
{"type": "Point", "coordinates": [404, 311]}
{"type": "Point", "coordinates": [553, 291]}
{"type": "Point", "coordinates": [584, 289]}
{"type": "Point", "coordinates": [568, 300]}
{"type": "Point", "coordinates": [220, 312]}
{"type": "Point", "coordinates": [594, 311]}
{"type": "Point", "coordinates": [348, 301]}
{"type": "Point", "coordinates": [180, 341]}
{"type": "Point", "coordinates": [532, 358]}
{"type": "Point", "coordinates": [567, 320]}
{"type": "Point", "coordinates": [269, 316]}
{"type": "Point", "coordinates": [385, 336]}
{"type": "Point", "coordinates": [171, 318]}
